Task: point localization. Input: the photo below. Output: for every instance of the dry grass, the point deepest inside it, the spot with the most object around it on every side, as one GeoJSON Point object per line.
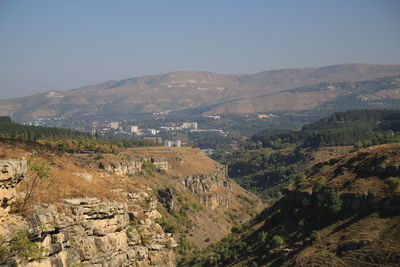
{"type": "Point", "coordinates": [184, 161]}
{"type": "Point", "coordinates": [383, 248]}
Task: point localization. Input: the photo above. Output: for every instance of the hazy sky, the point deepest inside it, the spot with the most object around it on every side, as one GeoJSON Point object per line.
{"type": "Point", "coordinates": [54, 45]}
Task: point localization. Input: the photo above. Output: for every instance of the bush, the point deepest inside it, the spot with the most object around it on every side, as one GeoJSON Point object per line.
{"type": "Point", "coordinates": [237, 229]}
{"type": "Point", "coordinates": [149, 168]}
{"type": "Point", "coordinates": [39, 172]}
{"type": "Point", "coordinates": [133, 225]}
{"type": "Point", "coordinates": [168, 226]}
{"type": "Point", "coordinates": [263, 236]}
{"type": "Point", "coordinates": [335, 204]}
{"type": "Point", "coordinates": [394, 183]}
{"type": "Point", "coordinates": [314, 236]}
{"type": "Point", "coordinates": [300, 181]}
{"type": "Point", "coordinates": [184, 247]}
{"type": "Point", "coordinates": [4, 251]}
{"type": "Point", "coordinates": [23, 246]}
{"type": "Point", "coordinates": [277, 241]}
{"type": "Point", "coordinates": [319, 183]}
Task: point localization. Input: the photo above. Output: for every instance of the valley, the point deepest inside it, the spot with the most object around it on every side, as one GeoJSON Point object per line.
{"type": "Point", "coordinates": [325, 194]}
{"type": "Point", "coordinates": [304, 183]}
{"type": "Point", "coordinates": [199, 134]}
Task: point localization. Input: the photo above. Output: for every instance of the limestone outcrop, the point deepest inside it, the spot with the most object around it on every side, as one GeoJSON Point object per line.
{"type": "Point", "coordinates": [95, 233]}
{"type": "Point", "coordinates": [134, 166]}
{"type": "Point", "coordinates": [212, 189]}
{"type": "Point", "coordinates": [12, 171]}
{"type": "Point", "coordinates": [83, 231]}
{"type": "Point", "coordinates": [90, 232]}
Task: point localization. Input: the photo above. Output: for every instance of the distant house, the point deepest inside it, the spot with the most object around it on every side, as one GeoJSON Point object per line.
{"type": "Point", "coordinates": [153, 131]}
{"type": "Point", "coordinates": [215, 117]}
{"type": "Point", "coordinates": [114, 125]}
{"type": "Point", "coordinates": [189, 125]}
{"type": "Point", "coordinates": [172, 143]}
{"type": "Point", "coordinates": [133, 129]}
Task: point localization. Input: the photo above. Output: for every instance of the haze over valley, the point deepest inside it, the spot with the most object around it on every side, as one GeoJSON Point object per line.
{"type": "Point", "coordinates": [208, 134]}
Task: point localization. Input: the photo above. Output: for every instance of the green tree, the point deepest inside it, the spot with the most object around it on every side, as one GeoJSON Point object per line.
{"type": "Point", "coordinates": [319, 183]}
{"type": "Point", "coordinates": [39, 173]}
{"type": "Point", "coordinates": [394, 183]}
{"type": "Point", "coordinates": [277, 241]}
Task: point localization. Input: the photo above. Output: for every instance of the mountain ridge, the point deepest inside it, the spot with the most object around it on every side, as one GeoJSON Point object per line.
{"type": "Point", "coordinates": [181, 90]}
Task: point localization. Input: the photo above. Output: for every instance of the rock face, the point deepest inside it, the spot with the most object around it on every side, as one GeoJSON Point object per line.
{"type": "Point", "coordinates": [85, 231]}
{"type": "Point", "coordinates": [167, 198]}
{"type": "Point", "coordinates": [94, 233]}
{"type": "Point", "coordinates": [212, 189]}
{"type": "Point", "coordinates": [12, 171]}
{"type": "Point", "coordinates": [134, 166]}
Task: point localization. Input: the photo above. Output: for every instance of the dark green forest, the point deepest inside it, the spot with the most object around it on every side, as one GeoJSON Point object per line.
{"type": "Point", "coordinates": [359, 128]}
{"type": "Point", "coordinates": [10, 129]}
{"type": "Point", "coordinates": [65, 140]}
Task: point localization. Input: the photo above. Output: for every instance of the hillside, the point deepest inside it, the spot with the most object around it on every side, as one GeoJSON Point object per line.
{"type": "Point", "coordinates": [271, 159]}
{"type": "Point", "coordinates": [212, 93]}
{"type": "Point", "coordinates": [345, 213]}
{"type": "Point", "coordinates": [142, 206]}
{"type": "Point", "coordinates": [320, 98]}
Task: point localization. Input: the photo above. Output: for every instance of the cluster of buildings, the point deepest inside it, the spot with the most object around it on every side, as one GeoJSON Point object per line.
{"type": "Point", "coordinates": [130, 129]}
{"type": "Point", "coordinates": [149, 134]}
{"type": "Point", "coordinates": [172, 143]}
{"type": "Point", "coordinates": [192, 126]}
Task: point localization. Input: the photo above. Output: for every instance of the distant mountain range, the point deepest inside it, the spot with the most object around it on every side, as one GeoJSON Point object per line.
{"type": "Point", "coordinates": [333, 88]}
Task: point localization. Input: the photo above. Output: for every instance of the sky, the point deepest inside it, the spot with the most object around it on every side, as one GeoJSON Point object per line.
{"type": "Point", "coordinates": [57, 45]}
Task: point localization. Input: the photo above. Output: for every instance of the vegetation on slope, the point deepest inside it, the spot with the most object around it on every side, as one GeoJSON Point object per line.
{"type": "Point", "coordinates": [10, 129]}
{"type": "Point", "coordinates": [273, 158]}
{"type": "Point", "coordinates": [350, 217]}
{"type": "Point", "coordinates": [64, 140]}
{"type": "Point", "coordinates": [356, 127]}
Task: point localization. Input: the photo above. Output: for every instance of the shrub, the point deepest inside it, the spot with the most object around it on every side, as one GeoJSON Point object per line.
{"type": "Point", "coordinates": [4, 251]}
{"type": "Point", "coordinates": [319, 183]}
{"type": "Point", "coordinates": [394, 183]}
{"type": "Point", "coordinates": [184, 247]}
{"type": "Point", "coordinates": [277, 241]}
{"type": "Point", "coordinates": [149, 168]}
{"type": "Point", "coordinates": [300, 181]}
{"type": "Point", "coordinates": [263, 236]}
{"type": "Point", "coordinates": [168, 226]}
{"type": "Point", "coordinates": [133, 225]}
{"type": "Point", "coordinates": [335, 204]}
{"type": "Point", "coordinates": [39, 173]}
{"type": "Point", "coordinates": [237, 229]}
{"type": "Point", "coordinates": [23, 246]}
{"type": "Point", "coordinates": [314, 236]}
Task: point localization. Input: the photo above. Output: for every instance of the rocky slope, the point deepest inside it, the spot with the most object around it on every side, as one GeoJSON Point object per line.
{"type": "Point", "coordinates": [107, 211]}
{"type": "Point", "coordinates": [188, 180]}
{"type": "Point", "coordinates": [217, 93]}
{"type": "Point", "coordinates": [80, 231]}
{"type": "Point", "coordinates": [345, 213]}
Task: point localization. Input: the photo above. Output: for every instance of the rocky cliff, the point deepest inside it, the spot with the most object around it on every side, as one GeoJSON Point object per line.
{"type": "Point", "coordinates": [213, 189]}
{"type": "Point", "coordinates": [81, 231]}
{"type": "Point", "coordinates": [133, 167]}
{"type": "Point", "coordinates": [12, 171]}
